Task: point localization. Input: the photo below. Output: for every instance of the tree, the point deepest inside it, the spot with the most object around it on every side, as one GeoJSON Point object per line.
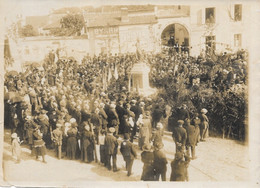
{"type": "Point", "coordinates": [72, 24]}
{"type": "Point", "coordinates": [27, 31]}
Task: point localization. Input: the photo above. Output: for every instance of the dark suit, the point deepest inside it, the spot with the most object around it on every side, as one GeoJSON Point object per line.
{"type": "Point", "coordinates": [179, 170]}
{"type": "Point", "coordinates": [160, 163]}
{"type": "Point", "coordinates": [180, 137]}
{"type": "Point", "coordinates": [129, 153]}
{"type": "Point", "coordinates": [191, 140]}
{"type": "Point", "coordinates": [147, 158]}
{"type": "Point", "coordinates": [137, 111]}
{"type": "Point", "coordinates": [121, 111]}
{"type": "Point", "coordinates": [111, 146]}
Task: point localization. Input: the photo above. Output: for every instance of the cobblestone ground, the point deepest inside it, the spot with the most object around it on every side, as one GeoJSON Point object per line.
{"type": "Point", "coordinates": [218, 160]}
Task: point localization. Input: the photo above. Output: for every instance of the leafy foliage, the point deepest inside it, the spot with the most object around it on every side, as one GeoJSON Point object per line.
{"type": "Point", "coordinates": [72, 24]}
{"type": "Point", "coordinates": [27, 31]}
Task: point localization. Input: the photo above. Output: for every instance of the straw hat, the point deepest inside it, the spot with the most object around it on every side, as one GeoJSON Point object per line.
{"type": "Point", "coordinates": [14, 135]}
{"type": "Point", "coordinates": [204, 110]}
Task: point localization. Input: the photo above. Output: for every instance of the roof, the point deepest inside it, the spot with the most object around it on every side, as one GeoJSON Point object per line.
{"type": "Point", "coordinates": [55, 24]}
{"type": "Point", "coordinates": [103, 20]}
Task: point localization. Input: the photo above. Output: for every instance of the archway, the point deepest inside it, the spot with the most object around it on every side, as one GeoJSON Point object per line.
{"type": "Point", "coordinates": [175, 35]}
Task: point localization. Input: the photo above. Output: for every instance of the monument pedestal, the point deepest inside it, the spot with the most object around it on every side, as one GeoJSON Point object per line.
{"type": "Point", "coordinates": [139, 80]}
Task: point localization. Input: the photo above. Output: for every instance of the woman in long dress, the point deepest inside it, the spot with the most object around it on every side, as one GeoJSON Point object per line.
{"type": "Point", "coordinates": [87, 144]}
{"type": "Point", "coordinates": [72, 140]}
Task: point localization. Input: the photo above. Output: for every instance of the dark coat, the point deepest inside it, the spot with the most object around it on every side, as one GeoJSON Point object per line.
{"type": "Point", "coordinates": [180, 135]}
{"type": "Point", "coordinates": [87, 146]}
{"type": "Point", "coordinates": [191, 135]}
{"type": "Point", "coordinates": [147, 158]}
{"type": "Point", "coordinates": [111, 144]}
{"type": "Point", "coordinates": [72, 143]}
{"type": "Point", "coordinates": [160, 160]}
{"type": "Point", "coordinates": [137, 111]}
{"type": "Point", "coordinates": [179, 170]}
{"type": "Point", "coordinates": [127, 149]}
{"type": "Point", "coordinates": [183, 114]}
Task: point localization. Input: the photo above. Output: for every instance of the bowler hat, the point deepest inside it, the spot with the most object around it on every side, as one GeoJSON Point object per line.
{"type": "Point", "coordinates": [112, 129]}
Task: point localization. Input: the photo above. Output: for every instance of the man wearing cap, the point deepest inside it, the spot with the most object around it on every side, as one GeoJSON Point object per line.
{"type": "Point", "coordinates": [160, 162]}
{"type": "Point", "coordinates": [180, 136]}
{"type": "Point", "coordinates": [111, 146]}
{"type": "Point", "coordinates": [129, 153]}
{"type": "Point", "coordinates": [57, 140]}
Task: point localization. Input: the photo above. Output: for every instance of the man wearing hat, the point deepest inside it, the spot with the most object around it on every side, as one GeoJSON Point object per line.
{"type": "Point", "coordinates": [43, 121]}
{"type": "Point", "coordinates": [204, 126]}
{"type": "Point", "coordinates": [121, 111]}
{"type": "Point", "coordinates": [112, 118]}
{"type": "Point", "coordinates": [129, 153]}
{"type": "Point", "coordinates": [191, 138]}
{"type": "Point", "coordinates": [180, 136]}
{"type": "Point", "coordinates": [137, 111]}
{"type": "Point", "coordinates": [111, 146]}
{"type": "Point", "coordinates": [57, 139]}
{"type": "Point", "coordinates": [179, 167]}
{"type": "Point", "coordinates": [30, 125]}
{"type": "Point", "coordinates": [160, 162]}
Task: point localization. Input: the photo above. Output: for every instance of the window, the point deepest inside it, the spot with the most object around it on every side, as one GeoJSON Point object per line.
{"type": "Point", "coordinates": [210, 15]}
{"type": "Point", "coordinates": [238, 12]}
{"type": "Point", "coordinates": [237, 40]}
{"type": "Point", "coordinates": [210, 44]}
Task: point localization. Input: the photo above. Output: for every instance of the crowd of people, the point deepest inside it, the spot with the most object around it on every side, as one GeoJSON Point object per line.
{"type": "Point", "coordinates": [69, 106]}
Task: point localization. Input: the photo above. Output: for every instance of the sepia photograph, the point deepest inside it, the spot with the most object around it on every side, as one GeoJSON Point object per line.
{"type": "Point", "coordinates": [129, 93]}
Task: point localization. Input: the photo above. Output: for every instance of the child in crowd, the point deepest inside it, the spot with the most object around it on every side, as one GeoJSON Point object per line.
{"type": "Point", "coordinates": [16, 148]}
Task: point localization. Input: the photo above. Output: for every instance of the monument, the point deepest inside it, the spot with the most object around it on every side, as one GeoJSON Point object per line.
{"type": "Point", "coordinates": [139, 78]}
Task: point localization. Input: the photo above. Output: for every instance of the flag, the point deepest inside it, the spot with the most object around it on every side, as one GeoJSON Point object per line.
{"type": "Point", "coordinates": [116, 73]}
{"type": "Point", "coordinates": [109, 74]}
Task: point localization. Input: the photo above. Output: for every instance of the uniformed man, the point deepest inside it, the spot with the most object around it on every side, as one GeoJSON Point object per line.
{"type": "Point", "coordinates": [129, 153]}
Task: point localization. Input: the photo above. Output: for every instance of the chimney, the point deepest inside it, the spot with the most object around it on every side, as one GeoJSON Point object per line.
{"type": "Point", "coordinates": [124, 15]}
